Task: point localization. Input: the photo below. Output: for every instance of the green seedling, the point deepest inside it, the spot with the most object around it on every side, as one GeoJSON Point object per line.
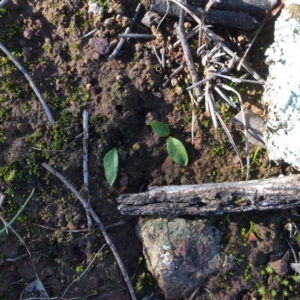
{"type": "Point", "coordinates": [262, 291]}
{"type": "Point", "coordinates": [254, 159]}
{"type": "Point", "coordinates": [252, 229]}
{"type": "Point", "coordinates": [17, 214]}
{"type": "Point", "coordinates": [175, 148]}
{"type": "Point", "coordinates": [111, 165]}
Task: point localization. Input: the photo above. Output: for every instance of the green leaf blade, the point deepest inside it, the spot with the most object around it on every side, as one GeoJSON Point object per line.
{"type": "Point", "coordinates": [111, 165]}
{"type": "Point", "coordinates": [177, 151]}
{"type": "Point", "coordinates": [160, 129]}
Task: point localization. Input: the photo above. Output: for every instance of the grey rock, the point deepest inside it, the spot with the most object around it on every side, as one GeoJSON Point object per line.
{"type": "Point", "coordinates": [151, 18]}
{"type": "Point", "coordinates": [181, 253]}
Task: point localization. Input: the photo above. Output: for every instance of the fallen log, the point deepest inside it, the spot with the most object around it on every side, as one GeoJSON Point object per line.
{"type": "Point", "coordinates": [238, 19]}
{"type": "Point", "coordinates": [216, 198]}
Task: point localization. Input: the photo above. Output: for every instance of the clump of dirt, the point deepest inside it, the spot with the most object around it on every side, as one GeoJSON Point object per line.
{"type": "Point", "coordinates": [122, 96]}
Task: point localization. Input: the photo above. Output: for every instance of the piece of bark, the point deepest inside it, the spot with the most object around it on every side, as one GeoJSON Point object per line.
{"type": "Point", "coordinates": [242, 20]}
{"type": "Point", "coordinates": [217, 198]}
{"type": "Point", "coordinates": [250, 6]}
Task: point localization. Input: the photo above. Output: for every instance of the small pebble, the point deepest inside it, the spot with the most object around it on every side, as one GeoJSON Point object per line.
{"type": "Point", "coordinates": [95, 90]}
{"type": "Point", "coordinates": [95, 55]}
{"type": "Point", "coordinates": [136, 146]}
{"type": "Point", "coordinates": [86, 79]}
{"type": "Point", "coordinates": [28, 34]}
{"type": "Point", "coordinates": [39, 71]}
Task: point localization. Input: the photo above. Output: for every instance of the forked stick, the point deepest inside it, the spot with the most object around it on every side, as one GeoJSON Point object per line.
{"type": "Point", "coordinates": [31, 82]}
{"type": "Point", "coordinates": [99, 223]}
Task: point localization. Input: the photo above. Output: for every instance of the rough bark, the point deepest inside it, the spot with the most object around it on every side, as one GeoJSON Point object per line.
{"type": "Point", "coordinates": [251, 6]}
{"type": "Point", "coordinates": [232, 13]}
{"type": "Point", "coordinates": [219, 198]}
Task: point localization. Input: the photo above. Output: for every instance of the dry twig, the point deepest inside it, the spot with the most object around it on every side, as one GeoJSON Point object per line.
{"type": "Point", "coordinates": [99, 223]}
{"type": "Point", "coordinates": [31, 82]}
{"type": "Point", "coordinates": [85, 163]}
{"type": "Point", "coordinates": [23, 242]}
{"type": "Point", "coordinates": [188, 57]}
{"type": "Point", "coordinates": [3, 2]}
{"type": "Point", "coordinates": [82, 272]}
{"type": "Point", "coordinates": [128, 30]}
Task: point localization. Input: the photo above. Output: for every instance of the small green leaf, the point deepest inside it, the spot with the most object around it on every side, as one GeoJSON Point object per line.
{"type": "Point", "coordinates": [177, 151]}
{"type": "Point", "coordinates": [160, 129]}
{"type": "Point", "coordinates": [111, 165]}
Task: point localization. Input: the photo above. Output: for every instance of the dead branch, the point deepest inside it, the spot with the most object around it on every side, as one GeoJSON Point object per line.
{"type": "Point", "coordinates": [218, 198]}
{"type": "Point", "coordinates": [99, 223]}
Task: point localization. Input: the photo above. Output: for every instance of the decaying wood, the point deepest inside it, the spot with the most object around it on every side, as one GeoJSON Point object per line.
{"type": "Point", "coordinates": [219, 198]}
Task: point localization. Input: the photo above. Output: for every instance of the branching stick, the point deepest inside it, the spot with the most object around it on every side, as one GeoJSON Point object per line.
{"type": "Point", "coordinates": [99, 223]}
{"type": "Point", "coordinates": [127, 31]}
{"type": "Point", "coordinates": [85, 163]}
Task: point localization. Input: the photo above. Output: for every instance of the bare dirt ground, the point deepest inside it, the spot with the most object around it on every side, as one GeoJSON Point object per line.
{"type": "Point", "coordinates": [122, 96]}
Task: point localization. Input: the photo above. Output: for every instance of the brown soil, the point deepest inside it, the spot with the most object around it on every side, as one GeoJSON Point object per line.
{"type": "Point", "coordinates": [122, 96]}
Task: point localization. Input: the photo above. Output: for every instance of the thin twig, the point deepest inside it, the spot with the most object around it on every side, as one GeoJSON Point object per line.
{"type": "Point", "coordinates": [188, 35]}
{"type": "Point", "coordinates": [13, 259]}
{"type": "Point", "coordinates": [156, 54]}
{"type": "Point", "coordinates": [188, 57]}
{"type": "Point", "coordinates": [88, 34]}
{"type": "Point", "coordinates": [163, 59]}
{"type": "Point", "coordinates": [251, 44]}
{"type": "Point", "coordinates": [206, 9]}
{"type": "Point", "coordinates": [200, 82]}
{"type": "Point", "coordinates": [128, 30]}
{"type": "Point", "coordinates": [83, 271]}
{"type": "Point", "coordinates": [70, 144]}
{"type": "Point", "coordinates": [31, 82]}
{"type": "Point", "coordinates": [293, 251]}
{"type": "Point", "coordinates": [228, 88]}
{"type": "Point", "coordinates": [136, 36]}
{"type": "Point", "coordinates": [99, 223]}
{"type": "Point", "coordinates": [212, 37]}
{"type": "Point", "coordinates": [162, 19]}
{"type": "Point", "coordinates": [85, 163]}
{"type": "Point", "coordinates": [225, 97]}
{"type": "Point", "coordinates": [236, 80]}
{"type": "Point", "coordinates": [194, 293]}
{"type": "Point", "coordinates": [23, 242]}
{"type": "Point", "coordinates": [3, 2]}
{"type": "Point", "coordinates": [230, 139]}
{"type": "Point", "coordinates": [176, 72]}
{"type": "Point", "coordinates": [80, 230]}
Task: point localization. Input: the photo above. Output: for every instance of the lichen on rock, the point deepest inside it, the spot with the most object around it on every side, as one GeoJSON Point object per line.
{"type": "Point", "coordinates": [181, 253]}
{"type": "Point", "coordinates": [282, 90]}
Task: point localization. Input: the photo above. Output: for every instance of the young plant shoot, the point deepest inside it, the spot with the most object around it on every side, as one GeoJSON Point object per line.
{"type": "Point", "coordinates": [175, 148]}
